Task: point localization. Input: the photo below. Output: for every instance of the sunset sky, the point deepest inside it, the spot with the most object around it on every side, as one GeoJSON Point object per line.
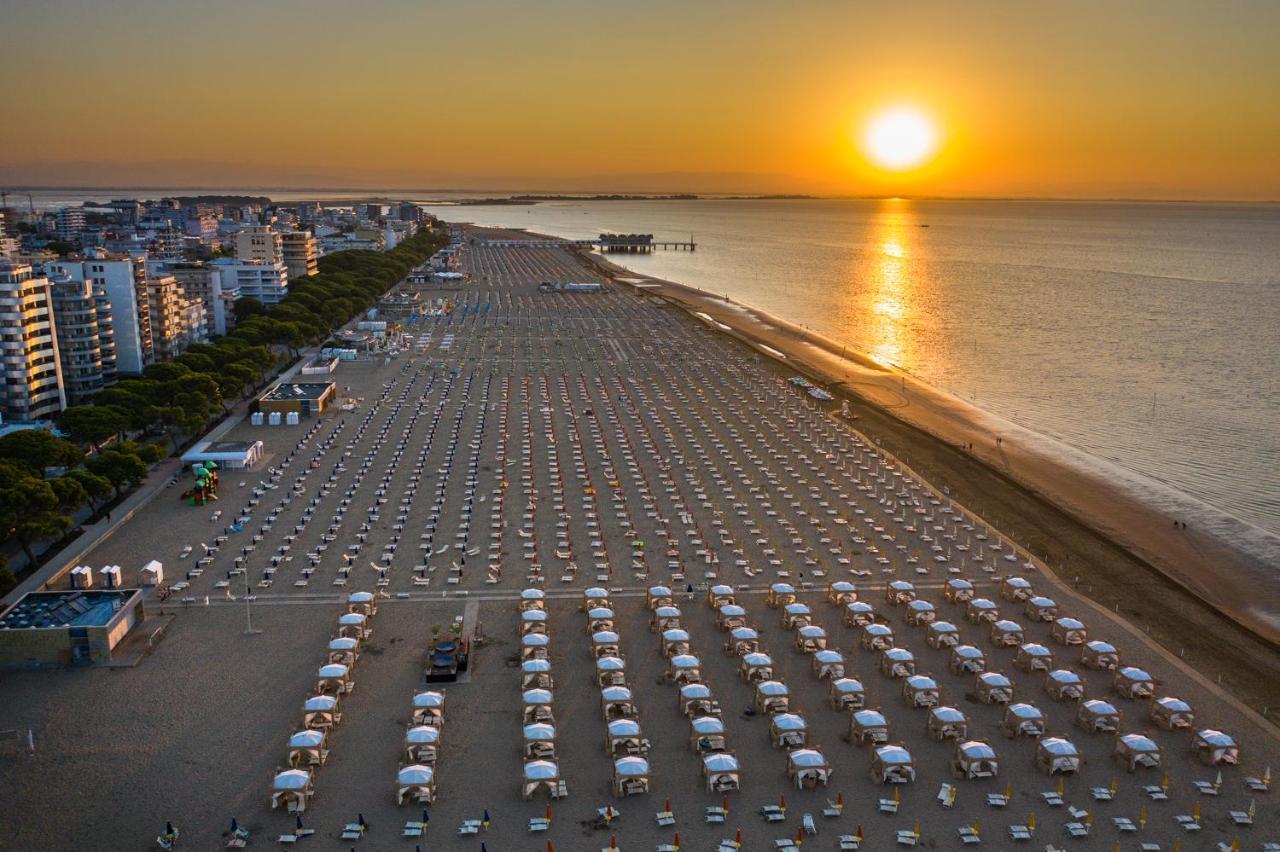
{"type": "Point", "coordinates": [1167, 99]}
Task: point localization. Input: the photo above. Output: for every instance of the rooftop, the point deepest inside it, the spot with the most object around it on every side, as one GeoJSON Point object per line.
{"type": "Point", "coordinates": [298, 390]}
{"type": "Point", "coordinates": [65, 609]}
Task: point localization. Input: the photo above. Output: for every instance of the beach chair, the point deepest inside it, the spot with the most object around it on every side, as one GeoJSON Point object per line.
{"type": "Point", "coordinates": [773, 813]}
{"type": "Point", "coordinates": [469, 828]}
{"type": "Point", "coordinates": [1019, 832]}
{"type": "Point", "coordinates": [539, 824]}
{"type": "Point", "coordinates": [849, 843]}
{"type": "Point", "coordinates": [664, 818]}
{"type": "Point", "coordinates": [968, 837]}
{"type": "Point", "coordinates": [907, 837]}
{"type": "Point", "coordinates": [810, 827]}
{"type": "Point", "coordinates": [714, 814]}
{"type": "Point", "coordinates": [1124, 824]}
{"type": "Point", "coordinates": [1187, 822]}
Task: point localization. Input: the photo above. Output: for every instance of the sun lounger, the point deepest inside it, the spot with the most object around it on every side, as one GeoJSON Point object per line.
{"type": "Point", "coordinates": [539, 824]}
{"type": "Point", "coordinates": [1019, 832]}
{"type": "Point", "coordinates": [664, 818]}
{"type": "Point", "coordinates": [773, 813]}
{"type": "Point", "coordinates": [849, 843]}
{"type": "Point", "coordinates": [907, 837]}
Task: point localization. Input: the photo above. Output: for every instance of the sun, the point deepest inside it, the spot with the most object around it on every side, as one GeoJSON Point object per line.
{"type": "Point", "coordinates": [901, 138]}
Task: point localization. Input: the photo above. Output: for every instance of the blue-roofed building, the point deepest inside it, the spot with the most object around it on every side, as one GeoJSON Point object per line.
{"type": "Point", "coordinates": [67, 627]}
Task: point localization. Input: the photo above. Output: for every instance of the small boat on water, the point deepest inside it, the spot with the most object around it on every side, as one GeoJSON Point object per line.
{"type": "Point", "coordinates": [799, 381]}
{"type": "Point", "coordinates": [820, 394]}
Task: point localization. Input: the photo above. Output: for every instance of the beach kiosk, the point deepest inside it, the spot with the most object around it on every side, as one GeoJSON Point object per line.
{"type": "Point", "coordinates": [899, 592]}
{"type": "Point", "coordinates": [742, 641]}
{"type": "Point", "coordinates": [788, 730]}
{"type": "Point", "coordinates": [828, 665]}
{"type": "Point", "coordinates": [772, 696]}
{"type": "Point", "coordinates": [981, 611]}
{"type": "Point", "coordinates": [1040, 608]}
{"type": "Point", "coordinates": [334, 679]}
{"type": "Point", "coordinates": [533, 599]}
{"type": "Point", "coordinates": [363, 603]}
{"type": "Point", "coordinates": [946, 723]}
{"type": "Point", "coordinates": [321, 711]}
{"type": "Point", "coordinates": [1133, 683]}
{"type": "Point", "coordinates": [957, 591]}
{"type": "Point", "coordinates": [796, 615]}
{"type": "Point", "coordinates": [897, 662]}
{"type": "Point", "coordinates": [868, 727]}
{"type": "Point", "coordinates": [616, 702]}
{"type": "Point", "coordinates": [664, 618]}
{"type": "Point", "coordinates": [428, 708]}
{"type": "Point", "coordinates": [780, 594]}
{"type": "Point", "coordinates": [808, 768]}
{"type": "Point", "coordinates": [877, 637]}
{"type": "Point", "coordinates": [344, 650]}
{"type": "Point", "coordinates": [1064, 685]}
{"type": "Point", "coordinates": [942, 634]}
{"type": "Point", "coordinates": [706, 734]}
{"type": "Point", "coordinates": [1100, 656]}
{"type": "Point", "coordinates": [892, 764]}
{"type": "Point", "coordinates": [541, 775]}
{"type": "Point", "coordinates": [536, 706]}
{"type": "Point", "coordinates": [623, 737]}
{"type": "Point", "coordinates": [422, 744]}
{"type": "Point", "coordinates": [974, 759]}
{"type": "Point", "coordinates": [1215, 748]}
{"type": "Point", "coordinates": [756, 667]}
{"type": "Point", "coordinates": [684, 668]}
{"type": "Point", "coordinates": [847, 693]}
{"type": "Point", "coordinates": [841, 593]}
{"type": "Point", "coordinates": [1098, 717]}
{"type": "Point", "coordinates": [1057, 756]}
{"type": "Point", "coordinates": [308, 747]}
{"type": "Point", "coordinates": [630, 776]}
{"type": "Point", "coordinates": [674, 642]}
{"type": "Point", "coordinates": [535, 646]}
{"type": "Point", "coordinates": [416, 783]}
{"type": "Point", "coordinates": [611, 671]}
{"type": "Point", "coordinates": [533, 621]}
{"type": "Point", "coordinates": [539, 741]}
{"type": "Point", "coordinates": [292, 789]}
{"type": "Point", "coordinates": [1016, 589]}
{"type": "Point", "coordinates": [1023, 720]}
{"type": "Point", "coordinates": [722, 772]}
{"type": "Point", "coordinates": [920, 612]}
{"type": "Point", "coordinates": [1172, 714]}
{"type": "Point", "coordinates": [719, 595]}
{"type": "Point", "coordinates": [1137, 750]}
{"type": "Point", "coordinates": [658, 596]}
{"type": "Point", "coordinates": [606, 643]}
{"type": "Point", "coordinates": [594, 597]}
{"type": "Point", "coordinates": [966, 659]}
{"type": "Point", "coordinates": [536, 674]}
{"type": "Point", "coordinates": [599, 618]}
{"type": "Point", "coordinates": [1007, 634]}
{"type": "Point", "coordinates": [731, 616]}
{"type": "Point", "coordinates": [858, 614]}
{"type": "Point", "coordinates": [810, 639]}
{"type": "Point", "coordinates": [1069, 631]}
{"type": "Point", "coordinates": [696, 700]}
{"type": "Point", "coordinates": [1033, 657]}
{"type": "Point", "coordinates": [993, 688]}
{"type": "Point", "coordinates": [921, 691]}
{"type": "Point", "coordinates": [354, 625]}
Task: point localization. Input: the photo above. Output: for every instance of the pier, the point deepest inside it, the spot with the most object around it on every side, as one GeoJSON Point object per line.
{"type": "Point", "coordinates": [610, 243]}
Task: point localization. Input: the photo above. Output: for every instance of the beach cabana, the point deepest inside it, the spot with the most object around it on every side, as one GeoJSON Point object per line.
{"type": "Point", "coordinates": [756, 667]}
{"type": "Point", "coordinates": [344, 650]}
{"type": "Point", "coordinates": [780, 594]}
{"type": "Point", "coordinates": [858, 614]}
{"type": "Point", "coordinates": [841, 593]}
{"type": "Point", "coordinates": [808, 768]}
{"type": "Point", "coordinates": [623, 737]}
{"type": "Point", "coordinates": [630, 776]}
{"type": "Point", "coordinates": [1172, 714]}
{"type": "Point", "coordinates": [696, 700]}
{"type": "Point", "coordinates": [292, 789]}
{"type": "Point", "coordinates": [1134, 683]}
{"type": "Point", "coordinates": [422, 744]}
{"type": "Point", "coordinates": [611, 671]}
{"type": "Point", "coordinates": [897, 662]}
{"type": "Point", "coordinates": [974, 759]}
{"type": "Point", "coordinates": [540, 775]}
{"type": "Point", "coordinates": [1040, 608]}
{"type": "Point", "coordinates": [719, 595]}
{"type": "Point", "coordinates": [536, 706]}
{"type": "Point", "coordinates": [354, 625]}
{"type": "Point", "coordinates": [946, 723]}
{"type": "Point", "coordinates": [1136, 750]}
{"type": "Point", "coordinates": [828, 665]}
{"type": "Point", "coordinates": [722, 772]}
{"type": "Point", "coordinates": [1215, 748]}
{"type": "Point", "coordinates": [684, 668]}
{"type": "Point", "coordinates": [847, 693]}
{"type": "Point", "coordinates": [899, 592]}
{"type": "Point", "coordinates": [599, 618]}
{"type": "Point", "coordinates": [616, 702]}
{"type": "Point", "coordinates": [957, 591]}
{"type": "Point", "coordinates": [920, 611]}
{"type": "Point", "coordinates": [334, 679]}
{"type": "Point", "coordinates": [536, 674]}
{"type": "Point", "coordinates": [308, 747]}
{"type": "Point", "coordinates": [1033, 657]}
{"type": "Point", "coordinates": [1007, 634]}
{"type": "Point", "coordinates": [1098, 717]}
{"type": "Point", "coordinates": [658, 596]}
{"type": "Point", "coordinates": [606, 643]}
{"type": "Point", "coordinates": [706, 734]}
{"type": "Point", "coordinates": [1016, 589]}
{"type": "Point", "coordinates": [1022, 720]}
{"type": "Point", "coordinates": [811, 638]}
{"type": "Point", "coordinates": [795, 615]}
{"type": "Point", "coordinates": [1064, 685]}
{"type": "Point", "coordinates": [321, 711]}
{"type": "Point", "coordinates": [868, 727]}
{"type": "Point", "coordinates": [921, 691]}
{"type": "Point", "coordinates": [416, 783]}
{"type": "Point", "coordinates": [892, 764]}
{"type": "Point", "coordinates": [1099, 655]}
{"type": "Point", "coordinates": [664, 618]}
{"type": "Point", "coordinates": [534, 646]}
{"type": "Point", "coordinates": [981, 610]}
{"type": "Point", "coordinates": [966, 659]}
{"type": "Point", "coordinates": [877, 637]}
{"type": "Point", "coordinates": [993, 688]}
{"type": "Point", "coordinates": [428, 707]}
{"type": "Point", "coordinates": [539, 741]}
{"type": "Point", "coordinates": [594, 597]}
{"type": "Point", "coordinates": [742, 641]}
{"type": "Point", "coordinates": [363, 603]}
{"type": "Point", "coordinates": [788, 730]}
{"type": "Point", "coordinates": [533, 599]}
{"type": "Point", "coordinates": [1057, 756]}
{"type": "Point", "coordinates": [772, 696]}
{"type": "Point", "coordinates": [675, 641]}
{"type": "Point", "coordinates": [1069, 631]}
{"type": "Point", "coordinates": [942, 634]}
{"type": "Point", "coordinates": [731, 616]}
{"type": "Point", "coordinates": [533, 621]}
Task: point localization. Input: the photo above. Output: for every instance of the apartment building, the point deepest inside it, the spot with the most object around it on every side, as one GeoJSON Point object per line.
{"type": "Point", "coordinates": [300, 253]}
{"type": "Point", "coordinates": [86, 337]}
{"type": "Point", "coordinates": [28, 345]}
{"type": "Point", "coordinates": [123, 282]}
{"type": "Point", "coordinates": [259, 242]}
{"type": "Point", "coordinates": [266, 282]}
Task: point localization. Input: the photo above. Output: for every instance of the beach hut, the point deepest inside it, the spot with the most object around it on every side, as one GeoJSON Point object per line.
{"type": "Point", "coordinates": [1172, 714]}
{"type": "Point", "coordinates": [674, 642]}
{"type": "Point", "coordinates": [416, 783]}
{"type": "Point", "coordinates": [811, 638]}
{"type": "Point", "coordinates": [536, 706]}
{"type": "Point", "coordinates": [1099, 655]}
{"type": "Point", "coordinates": [946, 723]}
{"type": "Point", "coordinates": [942, 634]}
{"type": "Point", "coordinates": [630, 776]}
{"type": "Point", "coordinates": [899, 592]}
{"type": "Point", "coordinates": [981, 610]}
{"type": "Point", "coordinates": [731, 616]}
{"type": "Point", "coordinates": [858, 614]}
{"type": "Point", "coordinates": [957, 591]}
{"type": "Point", "coordinates": [742, 641]}
{"type": "Point", "coordinates": [539, 741]}
{"type": "Point", "coordinates": [664, 618]}
{"type": "Point", "coordinates": [993, 688]}
{"type": "Point", "coordinates": [1069, 631]}
{"type": "Point", "coordinates": [1137, 750]}
{"type": "Point", "coordinates": [617, 702]}
{"type": "Point", "coordinates": [535, 646]}
{"type": "Point", "coordinates": [719, 595]}
{"type": "Point", "coordinates": [780, 594]}
{"type": "Point", "coordinates": [795, 615]}
{"type": "Point", "coordinates": [594, 597]}
{"type": "Point", "coordinates": [756, 667]}
{"type": "Point", "coordinates": [877, 637]}
{"type": "Point", "coordinates": [921, 691]}
{"type": "Point", "coordinates": [354, 625]}
{"type": "Point", "coordinates": [1007, 634]}
{"type": "Point", "coordinates": [536, 674]}
{"type": "Point", "coordinates": [722, 772]}
{"type": "Point", "coordinates": [1023, 720]}
{"type": "Point", "coordinates": [422, 744]}
{"type": "Point", "coordinates": [344, 650]}
{"type": "Point", "coordinates": [1064, 685]}
{"type": "Point", "coordinates": [321, 711]}
{"type": "Point", "coordinates": [897, 662]}
{"type": "Point", "coordinates": [696, 700]}
{"type": "Point", "coordinates": [920, 611]}
{"type": "Point", "coordinates": [533, 599]}
{"type": "Point", "coordinates": [847, 693]}
{"type": "Point", "coordinates": [611, 671]}
{"type": "Point", "coordinates": [1057, 756]}
{"type": "Point", "coordinates": [892, 764]}
{"type": "Point", "coordinates": [428, 707]}
{"type": "Point", "coordinates": [292, 789]}
{"type": "Point", "coordinates": [363, 603]}
{"type": "Point", "coordinates": [1016, 589]}
{"type": "Point", "coordinates": [841, 593]}
{"type": "Point", "coordinates": [808, 768]}
{"type": "Point", "coordinates": [599, 618]}
{"type": "Point", "coordinates": [706, 734]}
{"type": "Point", "coordinates": [540, 775]}
{"type": "Point", "coordinates": [606, 643]}
{"type": "Point", "coordinates": [772, 696]}
{"type": "Point", "coordinates": [1040, 608]}
{"type": "Point", "coordinates": [684, 668]}
{"type": "Point", "coordinates": [1215, 748]}
{"type": "Point", "coordinates": [1134, 683]}
{"type": "Point", "coordinates": [966, 659]}
{"type": "Point", "coordinates": [1033, 657]}
{"type": "Point", "coordinates": [1098, 717]}
{"type": "Point", "coordinates": [828, 665]}
{"type": "Point", "coordinates": [623, 737]}
{"type": "Point", "coordinates": [658, 596]}
{"type": "Point", "coordinates": [533, 621]}
{"type": "Point", "coordinates": [868, 727]}
{"type": "Point", "coordinates": [334, 679]}
{"type": "Point", "coordinates": [308, 747]}
{"type": "Point", "coordinates": [788, 730]}
{"type": "Point", "coordinates": [974, 759]}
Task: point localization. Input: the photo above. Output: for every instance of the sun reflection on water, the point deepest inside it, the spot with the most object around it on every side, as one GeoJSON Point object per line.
{"type": "Point", "coordinates": [890, 295]}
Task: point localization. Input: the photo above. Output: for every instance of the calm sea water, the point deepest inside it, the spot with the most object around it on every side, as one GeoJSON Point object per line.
{"type": "Point", "coordinates": [1145, 334]}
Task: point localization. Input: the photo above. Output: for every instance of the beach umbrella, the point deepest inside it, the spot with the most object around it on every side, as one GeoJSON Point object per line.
{"type": "Point", "coordinates": [737, 838]}
{"type": "Point", "coordinates": [299, 823]}
{"type": "Point", "coordinates": [485, 819]}
{"type": "Point", "coordinates": [782, 804]}
{"type": "Point", "coordinates": [548, 812]}
{"type": "Point", "coordinates": [858, 833]}
{"type": "Point", "coordinates": [676, 842]}
{"type": "Point", "coordinates": [1031, 822]}
{"type": "Point", "coordinates": [426, 819]}
{"type": "Point", "coordinates": [1142, 817]}
{"type": "Point", "coordinates": [235, 826]}
{"type": "Point", "coordinates": [360, 819]}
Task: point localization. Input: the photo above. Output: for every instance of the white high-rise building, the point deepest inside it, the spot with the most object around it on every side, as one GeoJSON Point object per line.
{"type": "Point", "coordinates": [123, 283]}
{"type": "Point", "coordinates": [86, 343]}
{"type": "Point", "coordinates": [204, 281]}
{"type": "Point", "coordinates": [266, 282]}
{"type": "Point", "coordinates": [32, 386]}
{"type": "Point", "coordinates": [301, 253]}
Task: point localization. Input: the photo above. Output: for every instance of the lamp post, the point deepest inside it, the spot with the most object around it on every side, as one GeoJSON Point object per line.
{"type": "Point", "coordinates": [248, 608]}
